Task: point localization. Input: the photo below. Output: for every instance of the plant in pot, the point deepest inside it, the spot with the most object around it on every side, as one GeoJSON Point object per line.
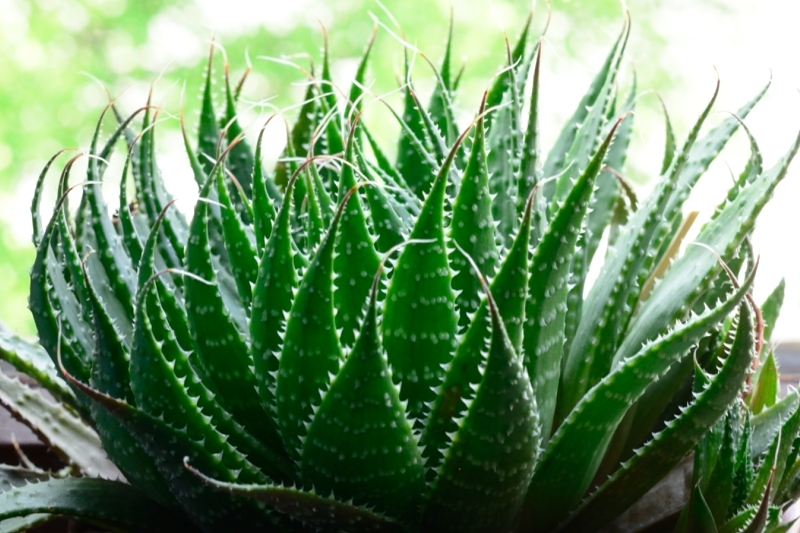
{"type": "Point", "coordinates": [405, 341]}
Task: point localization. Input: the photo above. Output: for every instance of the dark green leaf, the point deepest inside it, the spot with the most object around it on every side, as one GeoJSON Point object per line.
{"type": "Point", "coordinates": [318, 511]}
{"type": "Point", "coordinates": [311, 353]}
{"type": "Point", "coordinates": [31, 359]}
{"type": "Point", "coordinates": [472, 228]}
{"type": "Point", "coordinates": [666, 449]}
{"type": "Point", "coordinates": [420, 322]}
{"type": "Point", "coordinates": [382, 467]}
{"type": "Point", "coordinates": [356, 260]}
{"type": "Point", "coordinates": [544, 336]}
{"type": "Point", "coordinates": [464, 372]}
{"type": "Point", "coordinates": [108, 504]}
{"type": "Point", "coordinates": [572, 456]}
{"type": "Point", "coordinates": [221, 343]}
{"type": "Point", "coordinates": [486, 470]}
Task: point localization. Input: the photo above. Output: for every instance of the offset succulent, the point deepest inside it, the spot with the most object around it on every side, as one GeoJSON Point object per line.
{"type": "Point", "coordinates": [360, 343]}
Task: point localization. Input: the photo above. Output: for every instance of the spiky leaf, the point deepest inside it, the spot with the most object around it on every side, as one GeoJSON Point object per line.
{"type": "Point", "coordinates": [419, 322]}
{"type": "Point", "coordinates": [486, 469]}
{"type": "Point", "coordinates": [382, 466]}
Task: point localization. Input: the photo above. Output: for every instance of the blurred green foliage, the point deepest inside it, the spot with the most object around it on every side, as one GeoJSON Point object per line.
{"type": "Point", "coordinates": [52, 49]}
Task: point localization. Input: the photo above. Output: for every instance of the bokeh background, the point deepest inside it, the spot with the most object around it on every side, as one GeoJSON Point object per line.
{"type": "Point", "coordinates": [58, 57]}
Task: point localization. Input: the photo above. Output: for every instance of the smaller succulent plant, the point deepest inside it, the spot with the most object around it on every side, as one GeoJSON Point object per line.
{"type": "Point", "coordinates": [355, 343]}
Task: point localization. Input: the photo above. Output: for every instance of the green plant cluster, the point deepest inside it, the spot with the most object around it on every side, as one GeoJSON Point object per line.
{"type": "Point", "coordinates": [366, 341]}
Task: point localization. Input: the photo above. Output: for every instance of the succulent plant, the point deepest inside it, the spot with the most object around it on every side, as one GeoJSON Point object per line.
{"type": "Point", "coordinates": [360, 343]}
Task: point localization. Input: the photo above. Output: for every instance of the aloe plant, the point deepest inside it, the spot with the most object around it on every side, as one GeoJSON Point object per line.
{"type": "Point", "coordinates": [359, 343]}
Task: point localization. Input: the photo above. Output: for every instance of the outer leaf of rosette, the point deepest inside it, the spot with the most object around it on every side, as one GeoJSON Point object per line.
{"type": "Point", "coordinates": [690, 276]}
{"type": "Point", "coordinates": [109, 505]}
{"type": "Point", "coordinates": [473, 228]}
{"type": "Point", "coordinates": [573, 454]}
{"type": "Point", "coordinates": [486, 471]}
{"type": "Point", "coordinates": [55, 310]}
{"type": "Point", "coordinates": [608, 306]}
{"type": "Point", "coordinates": [420, 323]}
{"type": "Point", "coordinates": [653, 461]}
{"type": "Point", "coordinates": [464, 372]}
{"type": "Point", "coordinates": [213, 511]}
{"type": "Point", "coordinates": [360, 444]}
{"type": "Point", "coordinates": [111, 375]}
{"type": "Point", "coordinates": [167, 383]}
{"type": "Point", "coordinates": [28, 357]}
{"type": "Point", "coordinates": [220, 345]}
{"type": "Point", "coordinates": [311, 352]}
{"type": "Point", "coordinates": [356, 260]}
{"type": "Point", "coordinates": [120, 283]}
{"type": "Point", "coordinates": [309, 511]}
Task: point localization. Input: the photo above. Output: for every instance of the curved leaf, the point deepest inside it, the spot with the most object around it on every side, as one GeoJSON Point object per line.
{"type": "Point", "coordinates": [311, 508]}
{"type": "Point", "coordinates": [655, 459]}
{"type": "Point", "coordinates": [32, 360]}
{"type": "Point", "coordinates": [382, 467]}
{"type": "Point", "coordinates": [24, 523]}
{"type": "Point", "coordinates": [486, 470]}
{"type": "Point", "coordinates": [214, 512]}
{"type": "Point", "coordinates": [109, 504]}
{"type": "Point", "coordinates": [608, 306]}
{"type": "Point", "coordinates": [573, 455]}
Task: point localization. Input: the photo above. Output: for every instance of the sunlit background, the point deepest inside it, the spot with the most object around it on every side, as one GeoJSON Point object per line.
{"type": "Point", "coordinates": [56, 57]}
